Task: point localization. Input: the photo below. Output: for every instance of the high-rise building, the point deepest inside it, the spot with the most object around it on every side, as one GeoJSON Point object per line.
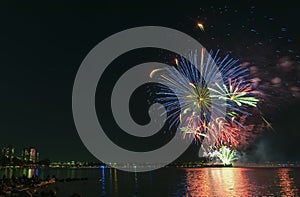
{"type": "Point", "coordinates": [32, 155]}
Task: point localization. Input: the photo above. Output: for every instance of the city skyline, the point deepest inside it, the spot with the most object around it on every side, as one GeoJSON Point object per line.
{"type": "Point", "coordinates": [27, 154]}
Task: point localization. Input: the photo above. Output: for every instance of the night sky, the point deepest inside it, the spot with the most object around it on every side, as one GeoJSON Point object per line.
{"type": "Point", "coordinates": [43, 45]}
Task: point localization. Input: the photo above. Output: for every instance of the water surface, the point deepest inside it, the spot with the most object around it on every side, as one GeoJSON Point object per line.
{"type": "Point", "coordinates": [173, 181]}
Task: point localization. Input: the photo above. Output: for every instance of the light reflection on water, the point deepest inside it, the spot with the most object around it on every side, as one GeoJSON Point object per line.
{"type": "Point", "coordinates": [287, 183]}
{"type": "Point", "coordinates": [27, 172]}
{"type": "Point", "coordinates": [216, 182]}
{"type": "Point", "coordinates": [174, 182]}
{"type": "Point", "coordinates": [241, 182]}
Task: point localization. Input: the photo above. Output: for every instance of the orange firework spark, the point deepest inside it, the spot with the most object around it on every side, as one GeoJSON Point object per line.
{"type": "Point", "coordinates": [219, 132]}
{"type": "Point", "coordinates": [201, 26]}
{"type": "Point", "coordinates": [176, 61]}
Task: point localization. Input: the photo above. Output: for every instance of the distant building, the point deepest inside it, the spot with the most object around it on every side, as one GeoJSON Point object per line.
{"type": "Point", "coordinates": [8, 152]}
{"type": "Point", "coordinates": [30, 154]}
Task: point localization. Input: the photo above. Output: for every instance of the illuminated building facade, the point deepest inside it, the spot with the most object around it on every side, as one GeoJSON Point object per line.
{"type": "Point", "coordinates": [8, 152]}
{"type": "Point", "coordinates": [30, 154]}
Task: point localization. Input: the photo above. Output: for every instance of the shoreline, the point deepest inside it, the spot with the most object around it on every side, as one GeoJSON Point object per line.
{"type": "Point", "coordinates": [209, 165]}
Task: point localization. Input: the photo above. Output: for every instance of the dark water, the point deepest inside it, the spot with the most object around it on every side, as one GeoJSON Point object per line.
{"type": "Point", "coordinates": [175, 182]}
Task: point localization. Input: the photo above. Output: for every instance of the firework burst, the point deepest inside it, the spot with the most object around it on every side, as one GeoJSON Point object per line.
{"type": "Point", "coordinates": [238, 93]}
{"type": "Point", "coordinates": [233, 134]}
{"type": "Point", "coordinates": [210, 97]}
{"type": "Point", "coordinates": [226, 155]}
{"type": "Point", "coordinates": [195, 81]}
